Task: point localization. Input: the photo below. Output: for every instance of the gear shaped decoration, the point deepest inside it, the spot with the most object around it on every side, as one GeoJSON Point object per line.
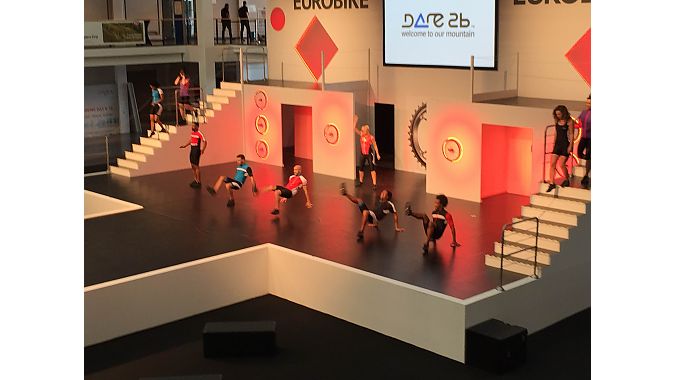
{"type": "Point", "coordinates": [418, 117]}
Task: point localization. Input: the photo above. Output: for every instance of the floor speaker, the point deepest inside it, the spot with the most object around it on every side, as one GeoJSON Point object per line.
{"type": "Point", "coordinates": [495, 346]}
{"type": "Point", "coordinates": [238, 338]}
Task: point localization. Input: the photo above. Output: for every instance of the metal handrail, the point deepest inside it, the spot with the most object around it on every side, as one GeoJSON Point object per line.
{"type": "Point", "coordinates": [201, 99]}
{"type": "Point", "coordinates": [502, 247]}
{"type": "Point", "coordinates": [263, 51]}
{"type": "Point", "coordinates": [238, 28]}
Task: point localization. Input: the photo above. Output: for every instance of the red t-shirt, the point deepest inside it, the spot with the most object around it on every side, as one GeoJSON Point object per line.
{"type": "Point", "coordinates": [296, 183]}
{"type": "Point", "coordinates": [196, 138]}
{"type": "Point", "coordinates": [366, 142]}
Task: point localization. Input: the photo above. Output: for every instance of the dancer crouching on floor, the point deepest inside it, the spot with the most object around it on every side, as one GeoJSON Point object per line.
{"type": "Point", "coordinates": [283, 193]}
{"type": "Point", "coordinates": [242, 172]}
{"type": "Point", "coordinates": [383, 207]}
{"type": "Point", "coordinates": [440, 219]}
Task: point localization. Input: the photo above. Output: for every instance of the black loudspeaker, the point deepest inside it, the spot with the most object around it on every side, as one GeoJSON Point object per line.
{"type": "Point", "coordinates": [495, 346]}
{"type": "Point", "coordinates": [238, 338]}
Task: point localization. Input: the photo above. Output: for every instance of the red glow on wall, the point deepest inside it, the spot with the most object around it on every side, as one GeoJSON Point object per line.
{"type": "Point", "coordinates": [506, 160]}
{"type": "Point", "coordinates": [303, 132]}
{"type": "Point", "coordinates": [452, 149]}
{"type": "Point", "coordinates": [277, 19]}
{"type": "Point", "coordinates": [262, 124]}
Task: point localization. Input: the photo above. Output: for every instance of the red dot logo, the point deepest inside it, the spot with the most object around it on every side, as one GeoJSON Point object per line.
{"type": "Point", "coordinates": [277, 19]}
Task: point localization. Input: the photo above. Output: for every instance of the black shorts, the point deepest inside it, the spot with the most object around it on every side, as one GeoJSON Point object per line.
{"type": "Point", "coordinates": [236, 185]}
{"type": "Point", "coordinates": [438, 229]}
{"type": "Point", "coordinates": [284, 192]}
{"type": "Point", "coordinates": [363, 207]}
{"type": "Point", "coordinates": [184, 99]}
{"type": "Point", "coordinates": [584, 149]}
{"type": "Point", "coordinates": [195, 154]}
{"type": "Point", "coordinates": [561, 149]}
{"type": "Point", "coordinates": [156, 109]}
{"type": "Point", "coordinates": [367, 161]}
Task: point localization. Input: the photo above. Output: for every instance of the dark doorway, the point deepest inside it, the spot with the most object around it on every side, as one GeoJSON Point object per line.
{"type": "Point", "coordinates": [296, 133]}
{"type": "Point", "coordinates": [384, 123]}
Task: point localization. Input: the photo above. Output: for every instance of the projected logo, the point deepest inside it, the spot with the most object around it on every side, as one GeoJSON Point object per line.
{"type": "Point", "coordinates": [312, 43]}
{"type": "Point", "coordinates": [437, 20]}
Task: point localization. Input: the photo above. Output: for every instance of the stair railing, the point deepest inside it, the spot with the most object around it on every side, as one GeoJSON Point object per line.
{"type": "Point", "coordinates": [535, 247]}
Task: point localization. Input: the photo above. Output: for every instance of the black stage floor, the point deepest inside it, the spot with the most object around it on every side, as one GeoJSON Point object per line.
{"type": "Point", "coordinates": [180, 224]}
{"type": "Point", "coordinates": [313, 345]}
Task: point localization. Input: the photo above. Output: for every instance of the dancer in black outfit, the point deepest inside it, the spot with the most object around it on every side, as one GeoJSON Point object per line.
{"type": "Point", "coordinates": [243, 14]}
{"type": "Point", "coordinates": [563, 145]}
{"type": "Point", "coordinates": [434, 228]}
{"type": "Point", "coordinates": [225, 22]}
{"type": "Point", "coordinates": [371, 217]}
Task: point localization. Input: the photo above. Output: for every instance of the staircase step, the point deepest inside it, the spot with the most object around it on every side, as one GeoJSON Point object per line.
{"type": "Point", "coordinates": [513, 265]}
{"type": "Point", "coordinates": [172, 129]}
{"type": "Point", "coordinates": [224, 92]}
{"type": "Point", "coordinates": [567, 192]}
{"type": "Point", "coordinates": [127, 163]}
{"type": "Point", "coordinates": [199, 119]}
{"type": "Point", "coordinates": [218, 99]}
{"type": "Point", "coordinates": [529, 240]}
{"type": "Point", "coordinates": [215, 106]}
{"type": "Point", "coordinates": [155, 143]}
{"type": "Point", "coordinates": [209, 113]}
{"type": "Point", "coordinates": [544, 257]}
{"type": "Point", "coordinates": [144, 149]}
{"type": "Point", "coordinates": [564, 205]}
{"type": "Point", "coordinates": [545, 229]}
{"type": "Point", "coordinates": [140, 157]}
{"type": "Point", "coordinates": [163, 136]}
{"type": "Point", "coordinates": [549, 215]}
{"type": "Point", "coordinates": [120, 171]}
{"type": "Point", "coordinates": [231, 86]}
{"type": "Point", "coordinates": [579, 170]}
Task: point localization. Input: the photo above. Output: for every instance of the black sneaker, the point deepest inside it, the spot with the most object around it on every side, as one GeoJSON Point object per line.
{"type": "Point", "coordinates": [426, 248]}
{"type": "Point", "coordinates": [151, 134]}
{"type": "Point", "coordinates": [565, 183]}
{"type": "Point", "coordinates": [375, 188]}
{"type": "Point", "coordinates": [231, 203]}
{"type": "Point", "coordinates": [358, 184]}
{"type": "Point", "coordinates": [551, 187]}
{"type": "Point", "coordinates": [407, 209]}
{"type": "Point", "coordinates": [343, 191]}
{"type": "Point", "coordinates": [360, 235]}
{"type": "Point", "coordinates": [585, 182]}
{"type": "Point", "coordinates": [211, 190]}
{"type": "Point", "coordinates": [193, 184]}
{"type": "Point", "coordinates": [275, 212]}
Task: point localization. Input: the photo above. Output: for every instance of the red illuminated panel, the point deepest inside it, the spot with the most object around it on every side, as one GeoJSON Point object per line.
{"type": "Point", "coordinates": [580, 56]}
{"type": "Point", "coordinates": [314, 40]}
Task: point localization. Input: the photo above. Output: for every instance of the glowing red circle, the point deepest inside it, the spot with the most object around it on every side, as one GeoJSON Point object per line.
{"type": "Point", "coordinates": [277, 19]}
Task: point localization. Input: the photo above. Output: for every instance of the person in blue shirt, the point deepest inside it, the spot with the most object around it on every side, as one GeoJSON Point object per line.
{"type": "Point", "coordinates": [242, 172]}
{"type": "Point", "coordinates": [157, 96]}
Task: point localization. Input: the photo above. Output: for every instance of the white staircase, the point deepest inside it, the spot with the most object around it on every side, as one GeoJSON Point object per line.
{"type": "Point", "coordinates": [158, 153]}
{"type": "Point", "coordinates": [558, 212]}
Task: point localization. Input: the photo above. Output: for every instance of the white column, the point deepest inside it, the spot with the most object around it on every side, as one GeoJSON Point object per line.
{"type": "Point", "coordinates": [205, 38]}
{"type": "Point", "coordinates": [122, 97]}
{"type": "Point", "coordinates": [118, 9]}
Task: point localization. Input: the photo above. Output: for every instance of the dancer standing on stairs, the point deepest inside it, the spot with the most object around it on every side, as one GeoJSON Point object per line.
{"type": "Point", "coordinates": [434, 228]}
{"type": "Point", "coordinates": [157, 96]}
{"type": "Point", "coordinates": [196, 151]}
{"type": "Point", "coordinates": [369, 152]}
{"type": "Point", "coordinates": [584, 146]}
{"type": "Point", "coordinates": [183, 83]}
{"type": "Point", "coordinates": [242, 172]}
{"type": "Point", "coordinates": [383, 207]}
{"type": "Point", "coordinates": [563, 145]}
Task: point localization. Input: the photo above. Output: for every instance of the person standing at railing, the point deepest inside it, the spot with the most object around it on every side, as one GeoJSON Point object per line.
{"type": "Point", "coordinates": [584, 146]}
{"type": "Point", "coordinates": [196, 151]}
{"type": "Point", "coordinates": [183, 81]}
{"type": "Point", "coordinates": [157, 96]}
{"type": "Point", "coordinates": [243, 13]}
{"type": "Point", "coordinates": [563, 145]}
{"type": "Point", "coordinates": [225, 22]}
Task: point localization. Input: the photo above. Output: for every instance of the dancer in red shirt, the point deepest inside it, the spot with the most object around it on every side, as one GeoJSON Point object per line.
{"type": "Point", "coordinates": [283, 193]}
{"type": "Point", "coordinates": [196, 151]}
{"type": "Point", "coordinates": [369, 152]}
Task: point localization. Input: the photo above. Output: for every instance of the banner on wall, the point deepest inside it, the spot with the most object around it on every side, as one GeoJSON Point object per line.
{"type": "Point", "coordinates": [102, 33]}
{"type": "Point", "coordinates": [101, 110]}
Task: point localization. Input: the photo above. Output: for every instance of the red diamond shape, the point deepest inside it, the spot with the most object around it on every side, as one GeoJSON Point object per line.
{"type": "Point", "coordinates": [314, 40]}
{"type": "Point", "coordinates": [580, 56]}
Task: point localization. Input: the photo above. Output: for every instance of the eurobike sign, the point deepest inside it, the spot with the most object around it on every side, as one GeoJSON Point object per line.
{"type": "Point", "coordinates": [330, 4]}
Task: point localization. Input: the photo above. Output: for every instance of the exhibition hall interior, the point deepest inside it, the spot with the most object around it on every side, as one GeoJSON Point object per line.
{"type": "Point", "coordinates": [337, 189]}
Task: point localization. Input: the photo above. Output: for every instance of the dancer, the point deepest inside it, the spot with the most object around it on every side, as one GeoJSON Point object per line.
{"type": "Point", "coordinates": [156, 107]}
{"type": "Point", "coordinates": [440, 219]}
{"type": "Point", "coordinates": [383, 207]}
{"type": "Point", "coordinates": [242, 172]}
{"type": "Point", "coordinates": [283, 193]}
{"type": "Point", "coordinates": [563, 145]}
{"type": "Point", "coordinates": [183, 81]}
{"type": "Point", "coordinates": [584, 147]}
{"type": "Point", "coordinates": [368, 147]}
{"type": "Point", "coordinates": [196, 151]}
